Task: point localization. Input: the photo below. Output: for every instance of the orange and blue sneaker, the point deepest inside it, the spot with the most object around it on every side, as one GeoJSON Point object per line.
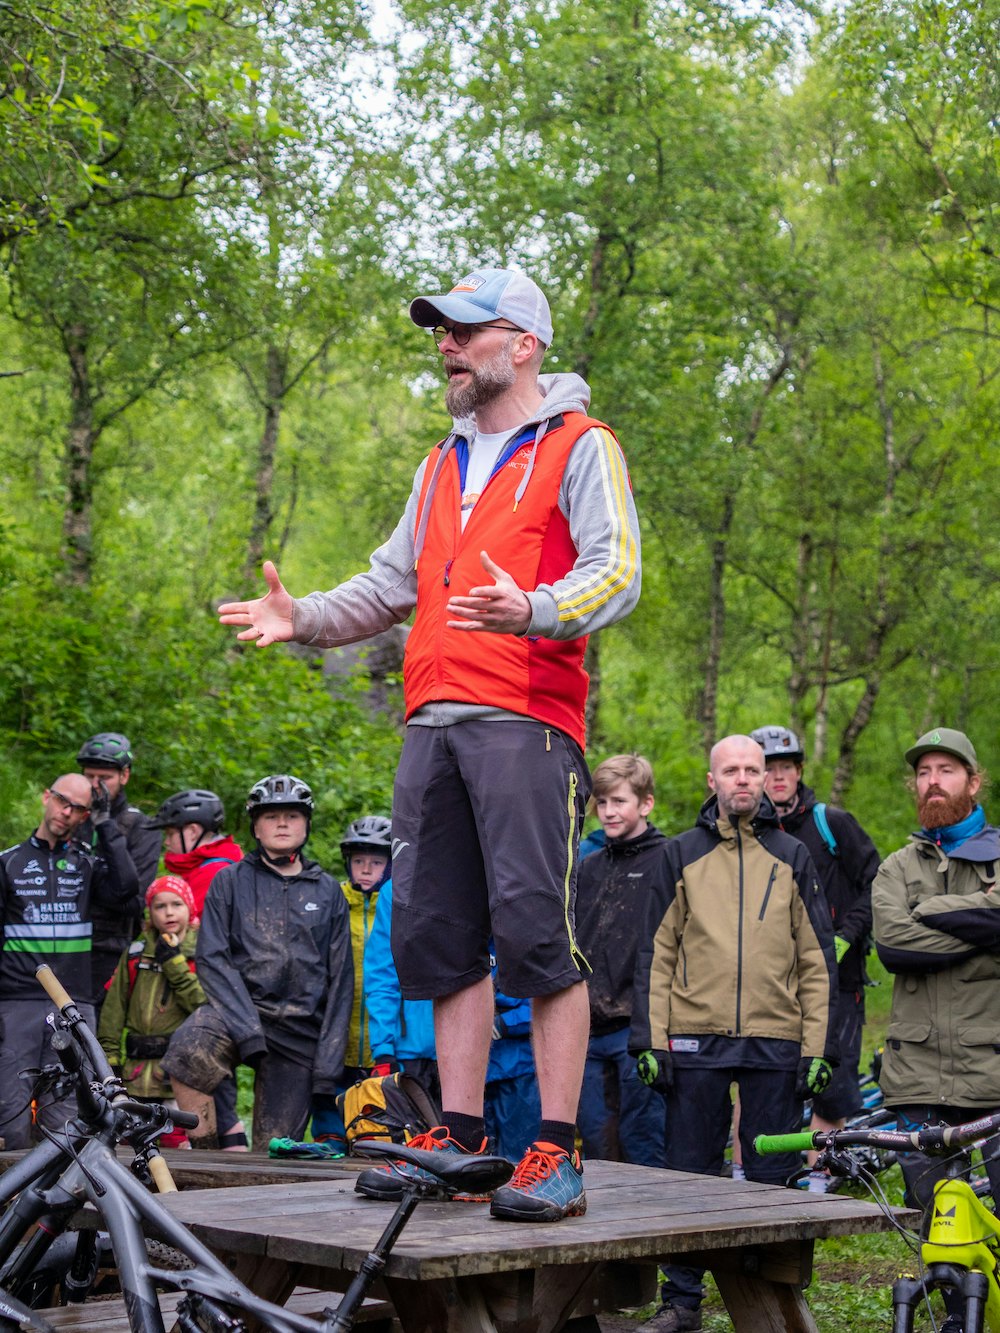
{"type": "Point", "coordinates": [546, 1186]}
{"type": "Point", "coordinates": [388, 1182]}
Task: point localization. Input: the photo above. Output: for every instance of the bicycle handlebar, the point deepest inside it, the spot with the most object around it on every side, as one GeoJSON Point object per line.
{"type": "Point", "coordinates": [82, 1034]}
{"type": "Point", "coordinates": [801, 1141]}
{"type": "Point", "coordinates": [929, 1138]}
{"type": "Point", "coordinates": [53, 987]}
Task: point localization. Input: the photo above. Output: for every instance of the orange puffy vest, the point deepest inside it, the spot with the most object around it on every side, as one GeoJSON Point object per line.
{"type": "Point", "coordinates": [541, 678]}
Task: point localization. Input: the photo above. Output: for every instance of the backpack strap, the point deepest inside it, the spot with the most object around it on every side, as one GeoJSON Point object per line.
{"type": "Point", "coordinates": [823, 824]}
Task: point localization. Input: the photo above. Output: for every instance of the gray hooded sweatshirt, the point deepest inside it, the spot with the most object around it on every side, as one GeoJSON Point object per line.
{"type": "Point", "coordinates": [602, 523]}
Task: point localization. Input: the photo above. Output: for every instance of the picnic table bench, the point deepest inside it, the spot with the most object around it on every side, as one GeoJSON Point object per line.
{"type": "Point", "coordinates": [456, 1269]}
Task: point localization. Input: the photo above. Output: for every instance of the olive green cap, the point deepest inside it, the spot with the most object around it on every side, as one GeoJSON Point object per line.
{"type": "Point", "coordinates": [947, 741]}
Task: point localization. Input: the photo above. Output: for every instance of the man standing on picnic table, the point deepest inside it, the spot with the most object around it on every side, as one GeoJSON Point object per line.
{"type": "Point", "coordinates": [518, 540]}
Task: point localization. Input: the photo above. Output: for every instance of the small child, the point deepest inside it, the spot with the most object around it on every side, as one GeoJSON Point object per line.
{"type": "Point", "coordinates": [620, 1119]}
{"type": "Point", "coordinates": [152, 991]}
{"type": "Point", "coordinates": [367, 851]}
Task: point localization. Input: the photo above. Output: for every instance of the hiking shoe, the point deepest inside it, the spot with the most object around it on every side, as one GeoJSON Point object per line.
{"type": "Point", "coordinates": [673, 1319]}
{"type": "Point", "coordinates": [547, 1185]}
{"type": "Point", "coordinates": [953, 1324]}
{"type": "Point", "coordinates": [388, 1182]}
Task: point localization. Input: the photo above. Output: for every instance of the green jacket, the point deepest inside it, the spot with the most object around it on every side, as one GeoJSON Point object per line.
{"type": "Point", "coordinates": [937, 927]}
{"type": "Point", "coordinates": [154, 1004]}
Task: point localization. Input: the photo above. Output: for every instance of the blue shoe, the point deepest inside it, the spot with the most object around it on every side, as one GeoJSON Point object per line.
{"type": "Point", "coordinates": [546, 1186]}
{"type": "Point", "coordinates": [388, 1182]}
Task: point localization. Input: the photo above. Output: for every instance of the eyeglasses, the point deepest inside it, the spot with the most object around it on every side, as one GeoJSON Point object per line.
{"type": "Point", "coordinates": [463, 332]}
{"type": "Point", "coordinates": [67, 803]}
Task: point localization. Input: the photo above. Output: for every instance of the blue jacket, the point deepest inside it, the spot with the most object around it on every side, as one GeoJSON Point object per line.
{"type": "Point", "coordinates": [404, 1029]}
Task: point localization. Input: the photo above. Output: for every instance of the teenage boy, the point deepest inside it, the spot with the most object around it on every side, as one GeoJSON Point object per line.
{"type": "Point", "coordinates": [274, 957]}
{"type": "Point", "coordinates": [620, 1119]}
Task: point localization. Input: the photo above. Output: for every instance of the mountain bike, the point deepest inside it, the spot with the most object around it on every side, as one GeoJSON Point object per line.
{"type": "Point", "coordinates": [42, 1194]}
{"type": "Point", "coordinates": [959, 1244]}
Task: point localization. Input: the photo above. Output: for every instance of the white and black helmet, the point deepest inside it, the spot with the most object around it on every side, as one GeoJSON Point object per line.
{"type": "Point", "coordinates": [281, 789]}
{"type": "Point", "coordinates": [779, 743]}
{"type": "Point", "coordinates": [372, 833]}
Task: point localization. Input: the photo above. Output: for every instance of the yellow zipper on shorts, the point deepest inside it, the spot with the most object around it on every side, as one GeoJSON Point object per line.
{"type": "Point", "coordinates": [575, 951]}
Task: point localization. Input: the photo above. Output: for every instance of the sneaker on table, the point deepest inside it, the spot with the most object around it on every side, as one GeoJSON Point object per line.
{"type": "Point", "coordinates": [547, 1185]}
{"type": "Point", "coordinates": [388, 1182]}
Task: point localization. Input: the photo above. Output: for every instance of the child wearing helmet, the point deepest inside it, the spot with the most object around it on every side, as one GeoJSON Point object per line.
{"type": "Point", "coordinates": [274, 957]}
{"type": "Point", "coordinates": [153, 989]}
{"type": "Point", "coordinates": [367, 851]}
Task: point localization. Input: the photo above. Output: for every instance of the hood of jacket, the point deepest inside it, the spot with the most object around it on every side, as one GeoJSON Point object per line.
{"type": "Point", "coordinates": [561, 392]}
{"type": "Point", "coordinates": [982, 846]}
{"type": "Point", "coordinates": [617, 847]}
{"type": "Point", "coordinates": [222, 849]}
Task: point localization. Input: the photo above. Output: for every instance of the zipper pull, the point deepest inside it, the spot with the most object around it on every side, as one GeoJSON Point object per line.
{"type": "Point", "coordinates": [447, 573]}
{"type": "Point", "coordinates": [548, 739]}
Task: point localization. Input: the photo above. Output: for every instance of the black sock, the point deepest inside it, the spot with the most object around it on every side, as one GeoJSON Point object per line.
{"type": "Point", "coordinates": [558, 1132]}
{"type": "Point", "coordinates": [467, 1130]}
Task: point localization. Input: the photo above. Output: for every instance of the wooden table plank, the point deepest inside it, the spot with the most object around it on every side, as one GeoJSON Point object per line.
{"type": "Point", "coordinates": [317, 1223]}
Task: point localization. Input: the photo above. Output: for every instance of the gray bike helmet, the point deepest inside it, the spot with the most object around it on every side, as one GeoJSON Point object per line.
{"type": "Point", "coordinates": [191, 807]}
{"type": "Point", "coordinates": [372, 833]}
{"type": "Point", "coordinates": [283, 789]}
{"type": "Point", "coordinates": [779, 743]}
{"type": "Point", "coordinates": [108, 749]}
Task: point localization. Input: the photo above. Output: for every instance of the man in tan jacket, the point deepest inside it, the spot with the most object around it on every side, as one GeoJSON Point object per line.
{"type": "Point", "coordinates": [735, 984]}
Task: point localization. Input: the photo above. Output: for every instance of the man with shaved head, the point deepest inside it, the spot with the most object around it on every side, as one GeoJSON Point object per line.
{"type": "Point", "coordinates": [734, 984]}
{"type": "Point", "coordinates": [48, 885]}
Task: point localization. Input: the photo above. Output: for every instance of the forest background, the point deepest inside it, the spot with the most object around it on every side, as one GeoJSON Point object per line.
{"type": "Point", "coordinates": [770, 234]}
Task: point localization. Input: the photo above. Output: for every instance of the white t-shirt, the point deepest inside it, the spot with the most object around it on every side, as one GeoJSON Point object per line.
{"type": "Point", "coordinates": [483, 454]}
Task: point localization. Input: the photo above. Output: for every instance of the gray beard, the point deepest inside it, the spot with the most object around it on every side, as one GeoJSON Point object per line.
{"type": "Point", "coordinates": [484, 384]}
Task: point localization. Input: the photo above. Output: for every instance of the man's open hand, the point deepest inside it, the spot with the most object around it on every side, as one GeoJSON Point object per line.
{"type": "Point", "coordinates": [269, 617]}
{"type": "Point", "coordinates": [499, 608]}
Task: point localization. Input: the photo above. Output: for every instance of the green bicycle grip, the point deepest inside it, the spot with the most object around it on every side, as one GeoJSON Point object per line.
{"type": "Point", "coordinates": [769, 1143]}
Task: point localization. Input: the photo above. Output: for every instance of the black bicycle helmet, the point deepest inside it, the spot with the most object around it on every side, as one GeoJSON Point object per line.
{"type": "Point", "coordinates": [779, 743]}
{"type": "Point", "coordinates": [108, 749]}
{"type": "Point", "coordinates": [191, 807]}
{"type": "Point", "coordinates": [283, 789]}
{"type": "Point", "coordinates": [370, 833]}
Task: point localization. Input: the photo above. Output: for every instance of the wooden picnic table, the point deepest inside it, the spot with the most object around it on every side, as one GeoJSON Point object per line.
{"type": "Point", "coordinates": [456, 1269]}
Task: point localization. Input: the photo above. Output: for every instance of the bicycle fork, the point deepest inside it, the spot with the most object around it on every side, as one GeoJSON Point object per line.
{"type": "Point", "coordinates": [910, 1293]}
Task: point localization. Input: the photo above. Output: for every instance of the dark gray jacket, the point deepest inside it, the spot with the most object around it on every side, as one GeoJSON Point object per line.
{"type": "Point", "coordinates": [274, 957]}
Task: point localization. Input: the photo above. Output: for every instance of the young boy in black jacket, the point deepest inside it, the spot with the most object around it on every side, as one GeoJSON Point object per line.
{"type": "Point", "coordinates": [274, 957]}
{"type": "Point", "coordinates": [620, 1119]}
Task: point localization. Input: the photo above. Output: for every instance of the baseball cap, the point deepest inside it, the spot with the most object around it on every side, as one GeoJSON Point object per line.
{"type": "Point", "coordinates": [487, 294]}
{"type": "Point", "coordinates": [947, 741]}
